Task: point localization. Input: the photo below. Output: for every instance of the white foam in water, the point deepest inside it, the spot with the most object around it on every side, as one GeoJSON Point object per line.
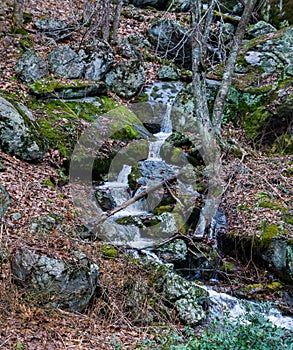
{"type": "Point", "coordinates": [222, 303]}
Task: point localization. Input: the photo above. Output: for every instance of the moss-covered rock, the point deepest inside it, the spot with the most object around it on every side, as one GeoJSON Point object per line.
{"type": "Point", "coordinates": [109, 251]}
{"type": "Point", "coordinates": [73, 89]}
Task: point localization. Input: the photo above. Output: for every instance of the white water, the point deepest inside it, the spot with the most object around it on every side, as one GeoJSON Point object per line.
{"type": "Point", "coordinates": [223, 305]}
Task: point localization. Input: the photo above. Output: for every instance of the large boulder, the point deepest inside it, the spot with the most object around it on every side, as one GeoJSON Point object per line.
{"type": "Point", "coordinates": [65, 63]}
{"type": "Point", "coordinates": [172, 40]}
{"type": "Point", "coordinates": [15, 136]}
{"type": "Point", "coordinates": [99, 58]}
{"type": "Point", "coordinates": [187, 297]}
{"type": "Point", "coordinates": [67, 285]}
{"type": "Point", "coordinates": [31, 67]}
{"type": "Point", "coordinates": [126, 79]}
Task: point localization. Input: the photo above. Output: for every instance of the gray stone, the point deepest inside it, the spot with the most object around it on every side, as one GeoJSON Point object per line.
{"type": "Point", "coordinates": [105, 199]}
{"type": "Point", "coordinates": [99, 59]}
{"type": "Point", "coordinates": [54, 28]}
{"type": "Point", "coordinates": [168, 73]}
{"type": "Point", "coordinates": [126, 79]}
{"type": "Point", "coordinates": [31, 67]}
{"type": "Point", "coordinates": [67, 285]}
{"type": "Point", "coordinates": [172, 40]}
{"type": "Point", "coordinates": [173, 252]}
{"type": "Point", "coordinates": [186, 296]}
{"type": "Point", "coordinates": [4, 200]}
{"type": "Point", "coordinates": [15, 137]}
{"type": "Point", "coordinates": [66, 63]}
{"type": "Point", "coordinates": [279, 254]}
{"type": "Point", "coordinates": [275, 54]}
{"type": "Point", "coordinates": [131, 46]}
{"type": "Point", "coordinates": [260, 28]}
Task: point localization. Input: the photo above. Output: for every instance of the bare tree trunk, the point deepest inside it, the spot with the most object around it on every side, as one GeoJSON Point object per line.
{"type": "Point", "coordinates": [106, 21]}
{"type": "Point", "coordinates": [209, 126]}
{"type": "Point", "coordinates": [18, 13]}
{"type": "Point", "coordinates": [117, 18]}
{"type": "Point", "coordinates": [230, 66]}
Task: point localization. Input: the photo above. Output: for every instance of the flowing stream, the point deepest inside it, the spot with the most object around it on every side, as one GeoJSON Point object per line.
{"type": "Point", "coordinates": [220, 303]}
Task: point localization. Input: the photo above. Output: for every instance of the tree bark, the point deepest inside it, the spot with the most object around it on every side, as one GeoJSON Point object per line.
{"type": "Point", "coordinates": [18, 13]}
{"type": "Point", "coordinates": [230, 66]}
{"type": "Point", "coordinates": [117, 18]}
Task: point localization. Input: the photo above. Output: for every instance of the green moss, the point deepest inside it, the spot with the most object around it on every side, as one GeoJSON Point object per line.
{"type": "Point", "coordinates": [268, 232]}
{"type": "Point", "coordinates": [227, 267]}
{"type": "Point", "coordinates": [269, 204]}
{"type": "Point", "coordinates": [109, 251]}
{"type": "Point", "coordinates": [162, 209]}
{"type": "Point", "coordinates": [48, 183]}
{"type": "Point", "coordinates": [47, 85]}
{"type": "Point", "coordinates": [275, 286]}
{"type": "Point", "coordinates": [126, 133]}
{"type": "Point", "coordinates": [288, 219]}
{"type": "Point", "coordinates": [143, 98]}
{"type": "Point", "coordinates": [253, 121]}
{"type": "Point", "coordinates": [254, 288]}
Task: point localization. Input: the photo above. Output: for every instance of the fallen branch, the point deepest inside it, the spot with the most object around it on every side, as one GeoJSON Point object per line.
{"type": "Point", "coordinates": [134, 199]}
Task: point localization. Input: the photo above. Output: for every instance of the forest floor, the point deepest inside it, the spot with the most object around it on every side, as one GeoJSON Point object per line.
{"type": "Point", "coordinates": [23, 324]}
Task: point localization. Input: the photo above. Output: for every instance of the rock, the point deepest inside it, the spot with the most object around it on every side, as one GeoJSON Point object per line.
{"type": "Point", "coordinates": [43, 225]}
{"type": "Point", "coordinates": [105, 199]}
{"type": "Point", "coordinates": [157, 4]}
{"type": "Point", "coordinates": [168, 73]}
{"type": "Point", "coordinates": [54, 28]}
{"type": "Point", "coordinates": [187, 298]}
{"type": "Point", "coordinates": [131, 46]}
{"type": "Point", "coordinates": [52, 89]}
{"type": "Point", "coordinates": [175, 251]}
{"type": "Point", "coordinates": [4, 200]}
{"type": "Point", "coordinates": [15, 137]}
{"type": "Point", "coordinates": [65, 63]}
{"type": "Point", "coordinates": [31, 67]}
{"type": "Point", "coordinates": [279, 254]}
{"type": "Point", "coordinates": [126, 79]}
{"type": "Point", "coordinates": [99, 58]}
{"type": "Point", "coordinates": [260, 28]}
{"type": "Point", "coordinates": [172, 40]}
{"type": "Point", "coordinates": [273, 54]}
{"type": "Point", "coordinates": [68, 285]}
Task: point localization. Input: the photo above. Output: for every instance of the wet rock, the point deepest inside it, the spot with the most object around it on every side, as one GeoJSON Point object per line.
{"type": "Point", "coordinates": [105, 199]}
{"type": "Point", "coordinates": [4, 200]}
{"type": "Point", "coordinates": [67, 285]}
{"type": "Point", "coordinates": [54, 28]}
{"type": "Point", "coordinates": [126, 79]}
{"type": "Point", "coordinates": [172, 40]}
{"type": "Point", "coordinates": [15, 136]}
{"type": "Point", "coordinates": [31, 67]}
{"type": "Point", "coordinates": [65, 63]}
{"type": "Point", "coordinates": [99, 58]}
